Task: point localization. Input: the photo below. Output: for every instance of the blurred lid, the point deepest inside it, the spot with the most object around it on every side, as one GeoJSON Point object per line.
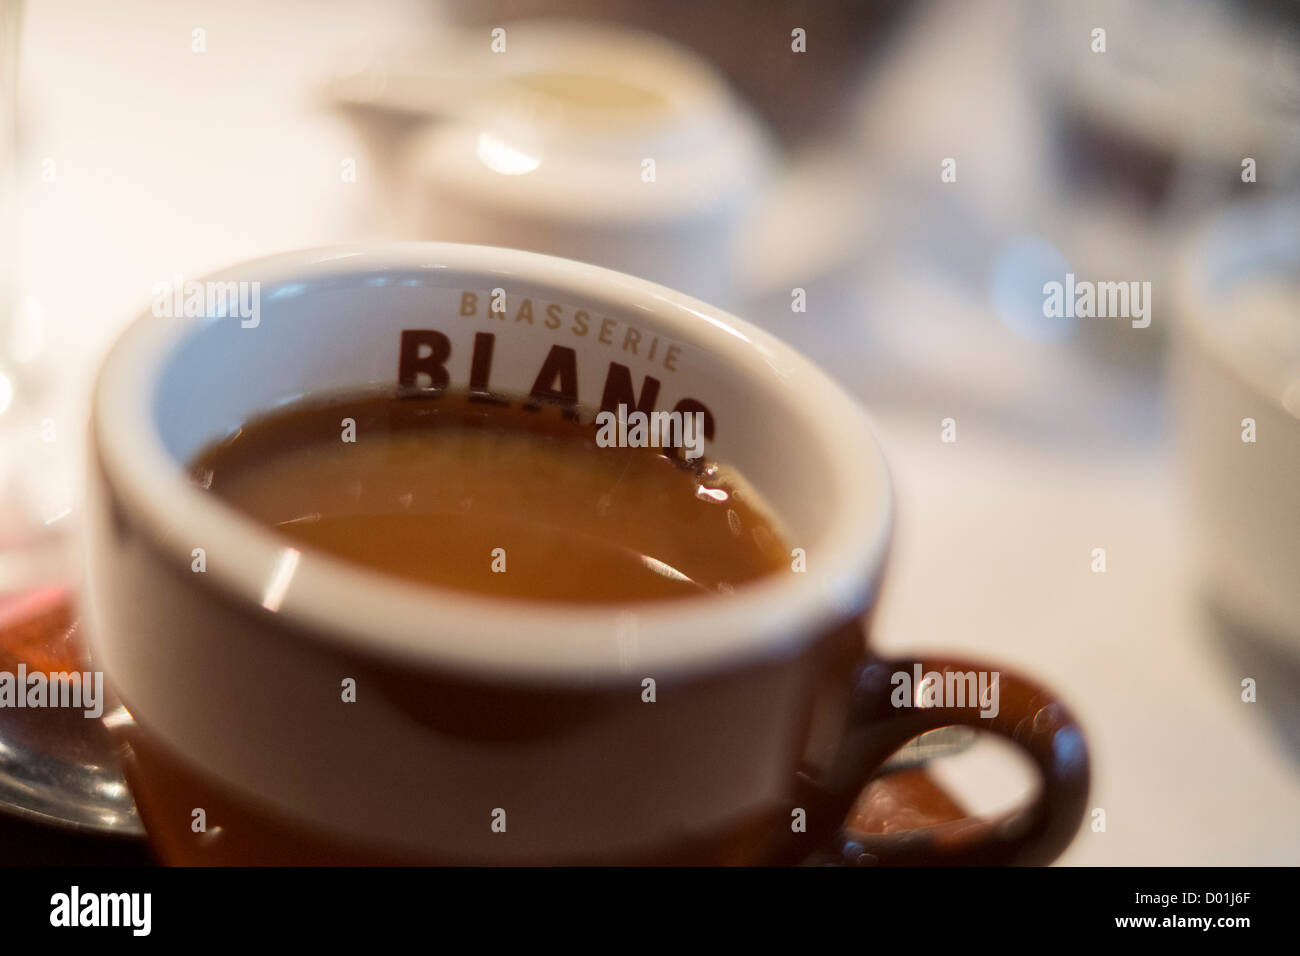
{"type": "Point", "coordinates": [574, 121]}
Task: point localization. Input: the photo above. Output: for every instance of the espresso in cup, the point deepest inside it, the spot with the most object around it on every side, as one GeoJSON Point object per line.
{"type": "Point", "coordinates": [499, 496]}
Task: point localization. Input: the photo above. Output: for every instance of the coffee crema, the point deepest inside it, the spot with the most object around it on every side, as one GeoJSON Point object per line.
{"type": "Point", "coordinates": [499, 498]}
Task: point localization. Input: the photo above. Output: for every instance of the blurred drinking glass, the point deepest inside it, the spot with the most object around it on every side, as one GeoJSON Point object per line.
{"type": "Point", "coordinates": [35, 484]}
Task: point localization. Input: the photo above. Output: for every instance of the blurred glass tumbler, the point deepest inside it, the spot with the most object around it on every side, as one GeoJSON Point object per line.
{"type": "Point", "coordinates": [35, 475]}
{"type": "Point", "coordinates": [770, 715]}
{"type": "Point", "coordinates": [10, 24]}
{"type": "Point", "coordinates": [1236, 398]}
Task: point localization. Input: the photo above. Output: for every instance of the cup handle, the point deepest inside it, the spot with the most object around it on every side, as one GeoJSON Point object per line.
{"type": "Point", "coordinates": [1028, 715]}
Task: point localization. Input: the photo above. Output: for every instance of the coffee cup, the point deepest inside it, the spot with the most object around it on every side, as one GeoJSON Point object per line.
{"type": "Point", "coordinates": [280, 705]}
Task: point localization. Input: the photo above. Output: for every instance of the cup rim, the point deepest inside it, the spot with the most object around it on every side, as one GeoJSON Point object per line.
{"type": "Point", "coordinates": [339, 602]}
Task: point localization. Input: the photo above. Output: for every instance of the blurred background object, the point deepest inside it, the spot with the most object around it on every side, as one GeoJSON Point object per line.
{"type": "Point", "coordinates": [36, 481]}
{"type": "Point", "coordinates": [748, 41]}
{"type": "Point", "coordinates": [575, 138]}
{"type": "Point", "coordinates": [30, 552]}
{"type": "Point", "coordinates": [55, 766]}
{"type": "Point", "coordinates": [1235, 395]}
{"type": "Point", "coordinates": [10, 26]}
{"type": "Point", "coordinates": [893, 199]}
{"type": "Point", "coordinates": [1146, 140]}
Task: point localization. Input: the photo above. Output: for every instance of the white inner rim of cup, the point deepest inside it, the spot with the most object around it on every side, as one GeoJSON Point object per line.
{"type": "Point", "coordinates": [442, 628]}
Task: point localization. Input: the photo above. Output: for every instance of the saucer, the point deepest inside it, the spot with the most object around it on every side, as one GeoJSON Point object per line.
{"type": "Point", "coordinates": [57, 766]}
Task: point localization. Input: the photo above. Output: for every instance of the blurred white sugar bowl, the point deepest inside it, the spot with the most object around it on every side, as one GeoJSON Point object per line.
{"type": "Point", "coordinates": [577, 139]}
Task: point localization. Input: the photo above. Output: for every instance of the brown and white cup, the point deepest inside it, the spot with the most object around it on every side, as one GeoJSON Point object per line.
{"type": "Point", "coordinates": [771, 711]}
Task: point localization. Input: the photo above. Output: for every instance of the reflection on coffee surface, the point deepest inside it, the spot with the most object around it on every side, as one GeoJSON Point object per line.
{"type": "Point", "coordinates": [500, 499]}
